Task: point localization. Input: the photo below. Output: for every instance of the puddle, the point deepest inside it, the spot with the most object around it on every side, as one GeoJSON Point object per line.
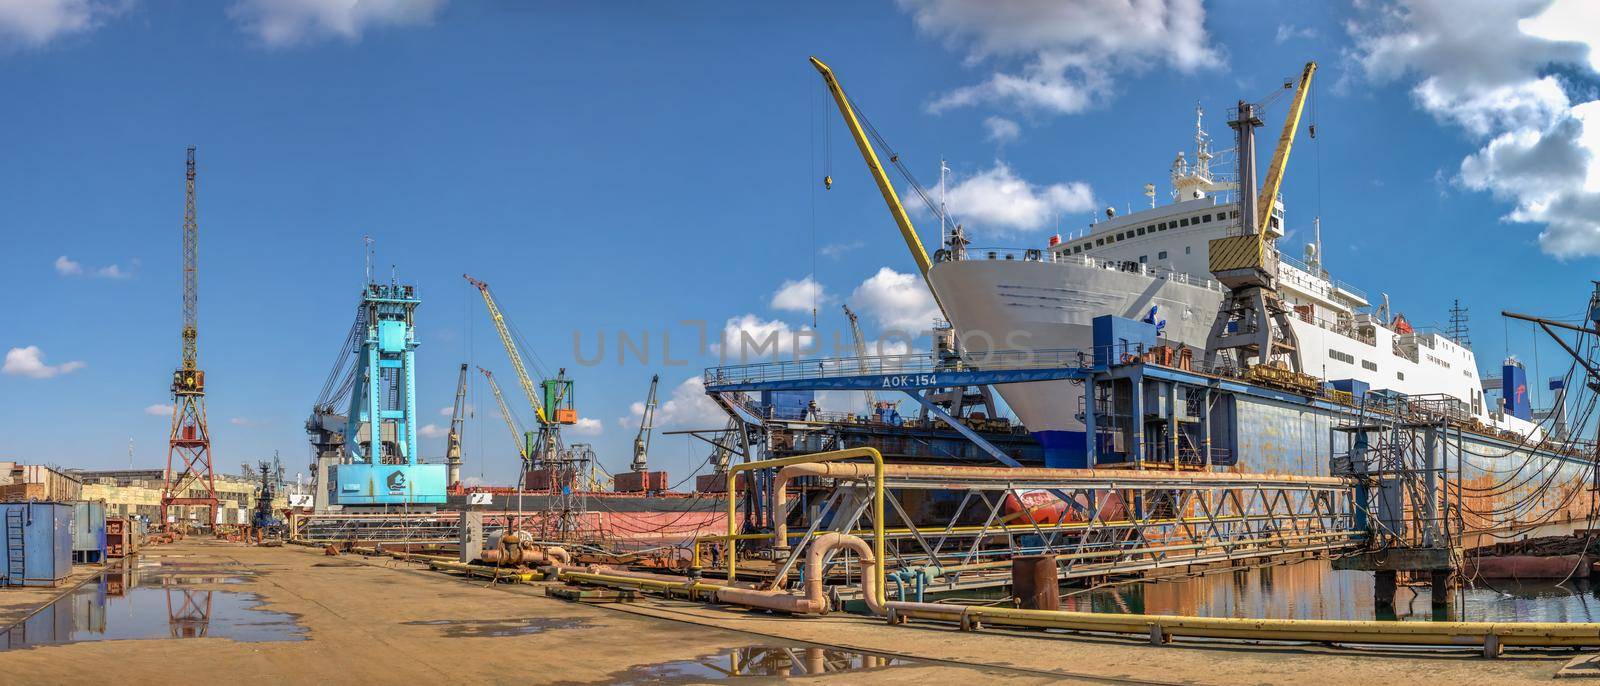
{"type": "Point", "coordinates": [499, 628]}
{"type": "Point", "coordinates": [130, 603]}
{"type": "Point", "coordinates": [763, 660]}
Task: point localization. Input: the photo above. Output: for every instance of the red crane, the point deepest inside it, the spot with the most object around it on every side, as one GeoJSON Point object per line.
{"type": "Point", "coordinates": [189, 447]}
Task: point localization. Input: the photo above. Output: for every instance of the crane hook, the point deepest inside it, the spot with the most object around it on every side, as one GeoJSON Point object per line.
{"type": "Point", "coordinates": [827, 182]}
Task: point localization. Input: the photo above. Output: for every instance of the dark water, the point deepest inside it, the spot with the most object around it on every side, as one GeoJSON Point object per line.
{"type": "Point", "coordinates": [1313, 590]}
{"type": "Point", "coordinates": [760, 660]}
{"type": "Point", "coordinates": [145, 600]}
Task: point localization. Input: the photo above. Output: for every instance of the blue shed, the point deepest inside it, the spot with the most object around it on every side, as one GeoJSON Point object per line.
{"type": "Point", "coordinates": [89, 532]}
{"type": "Point", "coordinates": [38, 543]}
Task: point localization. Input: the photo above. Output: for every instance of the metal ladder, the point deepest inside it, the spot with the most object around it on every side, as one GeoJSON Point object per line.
{"type": "Point", "coordinates": [16, 568]}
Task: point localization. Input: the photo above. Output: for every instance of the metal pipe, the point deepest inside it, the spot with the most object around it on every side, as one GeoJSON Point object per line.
{"type": "Point", "coordinates": [814, 601]}
{"type": "Point", "coordinates": [1307, 630]}
{"type": "Point", "coordinates": [832, 456]}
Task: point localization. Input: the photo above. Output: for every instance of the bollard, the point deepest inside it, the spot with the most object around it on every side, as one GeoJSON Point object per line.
{"type": "Point", "coordinates": [1033, 582]}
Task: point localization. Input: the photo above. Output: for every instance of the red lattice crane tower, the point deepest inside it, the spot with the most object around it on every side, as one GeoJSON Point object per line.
{"type": "Point", "coordinates": [189, 448]}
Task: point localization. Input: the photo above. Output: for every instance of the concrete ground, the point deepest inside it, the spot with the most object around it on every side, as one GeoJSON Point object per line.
{"type": "Point", "coordinates": [378, 620]}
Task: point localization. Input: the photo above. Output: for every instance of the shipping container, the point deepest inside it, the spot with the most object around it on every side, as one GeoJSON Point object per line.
{"type": "Point", "coordinates": [38, 543]}
{"type": "Point", "coordinates": [636, 482]}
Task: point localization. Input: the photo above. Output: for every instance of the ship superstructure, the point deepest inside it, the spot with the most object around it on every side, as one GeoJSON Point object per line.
{"type": "Point", "coordinates": [1153, 265]}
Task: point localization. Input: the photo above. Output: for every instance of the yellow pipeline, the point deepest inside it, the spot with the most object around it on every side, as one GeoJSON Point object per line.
{"type": "Point", "coordinates": [487, 572]}
{"type": "Point", "coordinates": [687, 585]}
{"type": "Point", "coordinates": [1308, 630]}
{"type": "Point", "coordinates": [832, 456]}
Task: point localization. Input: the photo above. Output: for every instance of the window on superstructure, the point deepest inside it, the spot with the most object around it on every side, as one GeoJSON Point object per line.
{"type": "Point", "coordinates": [1141, 230]}
{"type": "Point", "coordinates": [1162, 226]}
{"type": "Point", "coordinates": [1342, 357]}
{"type": "Point", "coordinates": [1183, 222]}
{"type": "Point", "coordinates": [1161, 255]}
{"type": "Point", "coordinates": [1185, 249]}
{"type": "Point", "coordinates": [1400, 375]}
{"type": "Point", "coordinates": [1369, 366]}
{"type": "Point", "coordinates": [1099, 241]}
{"type": "Point", "coordinates": [1205, 217]}
{"type": "Point", "coordinates": [1144, 259]}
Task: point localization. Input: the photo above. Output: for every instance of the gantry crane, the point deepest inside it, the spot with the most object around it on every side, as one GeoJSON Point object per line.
{"type": "Point", "coordinates": [552, 401]}
{"type": "Point", "coordinates": [1254, 320]}
{"type": "Point", "coordinates": [189, 445]}
{"type": "Point", "coordinates": [861, 354]}
{"type": "Point", "coordinates": [647, 423]}
{"type": "Point", "coordinates": [458, 418]}
{"type": "Point", "coordinates": [518, 436]}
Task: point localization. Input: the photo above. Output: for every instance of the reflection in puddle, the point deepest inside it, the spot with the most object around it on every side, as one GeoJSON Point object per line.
{"type": "Point", "coordinates": [763, 660]}
{"type": "Point", "coordinates": [497, 628]}
{"type": "Point", "coordinates": [131, 602]}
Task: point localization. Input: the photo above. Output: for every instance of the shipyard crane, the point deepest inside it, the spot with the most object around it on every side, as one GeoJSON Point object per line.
{"type": "Point", "coordinates": [518, 437]}
{"type": "Point", "coordinates": [189, 445]}
{"type": "Point", "coordinates": [1254, 320]}
{"type": "Point", "coordinates": [861, 354]}
{"type": "Point", "coordinates": [647, 424]}
{"type": "Point", "coordinates": [885, 187]}
{"type": "Point", "coordinates": [551, 401]}
{"type": "Point", "coordinates": [452, 451]}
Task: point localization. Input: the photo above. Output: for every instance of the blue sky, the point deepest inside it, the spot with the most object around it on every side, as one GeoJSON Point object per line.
{"type": "Point", "coordinates": [626, 168]}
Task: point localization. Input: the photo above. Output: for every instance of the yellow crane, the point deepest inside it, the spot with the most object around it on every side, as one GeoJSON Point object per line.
{"type": "Point", "coordinates": [1241, 260]}
{"type": "Point", "coordinates": [1253, 321]}
{"type": "Point", "coordinates": [861, 354]}
{"type": "Point", "coordinates": [1280, 156]}
{"type": "Point", "coordinates": [517, 435]}
{"type": "Point", "coordinates": [511, 349]}
{"type": "Point", "coordinates": [896, 210]}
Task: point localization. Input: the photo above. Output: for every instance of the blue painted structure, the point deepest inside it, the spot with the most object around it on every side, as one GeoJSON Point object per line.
{"type": "Point", "coordinates": [383, 467]}
{"type": "Point", "coordinates": [1514, 388]}
{"type": "Point", "coordinates": [788, 404]}
{"type": "Point", "coordinates": [1117, 336]}
{"type": "Point", "coordinates": [1355, 387]}
{"type": "Point", "coordinates": [38, 543]}
{"type": "Point", "coordinates": [89, 531]}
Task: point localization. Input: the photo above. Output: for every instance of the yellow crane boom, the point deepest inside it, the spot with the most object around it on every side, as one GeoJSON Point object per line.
{"type": "Point", "coordinates": [1280, 156]}
{"type": "Point", "coordinates": [517, 436]}
{"type": "Point", "coordinates": [861, 354]}
{"type": "Point", "coordinates": [511, 349]}
{"type": "Point", "coordinates": [896, 210]}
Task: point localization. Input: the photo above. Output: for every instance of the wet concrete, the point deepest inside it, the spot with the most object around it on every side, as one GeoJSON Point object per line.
{"type": "Point", "coordinates": [496, 628]}
{"type": "Point", "coordinates": [148, 601]}
{"type": "Point", "coordinates": [779, 660]}
{"type": "Point", "coordinates": [387, 622]}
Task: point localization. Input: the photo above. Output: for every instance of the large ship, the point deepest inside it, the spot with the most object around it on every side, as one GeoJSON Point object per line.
{"type": "Point", "coordinates": [1153, 265]}
{"type": "Point", "coordinates": [1291, 371]}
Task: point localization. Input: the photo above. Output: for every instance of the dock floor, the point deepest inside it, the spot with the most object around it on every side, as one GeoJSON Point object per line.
{"type": "Point", "coordinates": [377, 620]}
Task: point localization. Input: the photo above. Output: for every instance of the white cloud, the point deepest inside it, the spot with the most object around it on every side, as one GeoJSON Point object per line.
{"type": "Point", "coordinates": [34, 23]}
{"type": "Point", "coordinates": [1002, 130]}
{"type": "Point", "coordinates": [244, 421]}
{"type": "Point", "coordinates": [446, 411]}
{"type": "Point", "coordinates": [588, 426]}
{"type": "Point", "coordinates": [30, 362]}
{"type": "Point", "coordinates": [432, 431]}
{"type": "Point", "coordinates": [66, 266]}
{"type": "Point", "coordinates": [1486, 68]}
{"type": "Point", "coordinates": [280, 23]}
{"type": "Point", "coordinates": [158, 410]}
{"type": "Point", "coordinates": [999, 202]}
{"type": "Point", "coordinates": [748, 339]}
{"type": "Point", "coordinates": [896, 301]}
{"type": "Point", "coordinates": [687, 407]}
{"type": "Point", "coordinates": [800, 296]}
{"type": "Point", "coordinates": [834, 251]}
{"type": "Point", "coordinates": [1070, 51]}
{"type": "Point", "coordinates": [1289, 32]}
